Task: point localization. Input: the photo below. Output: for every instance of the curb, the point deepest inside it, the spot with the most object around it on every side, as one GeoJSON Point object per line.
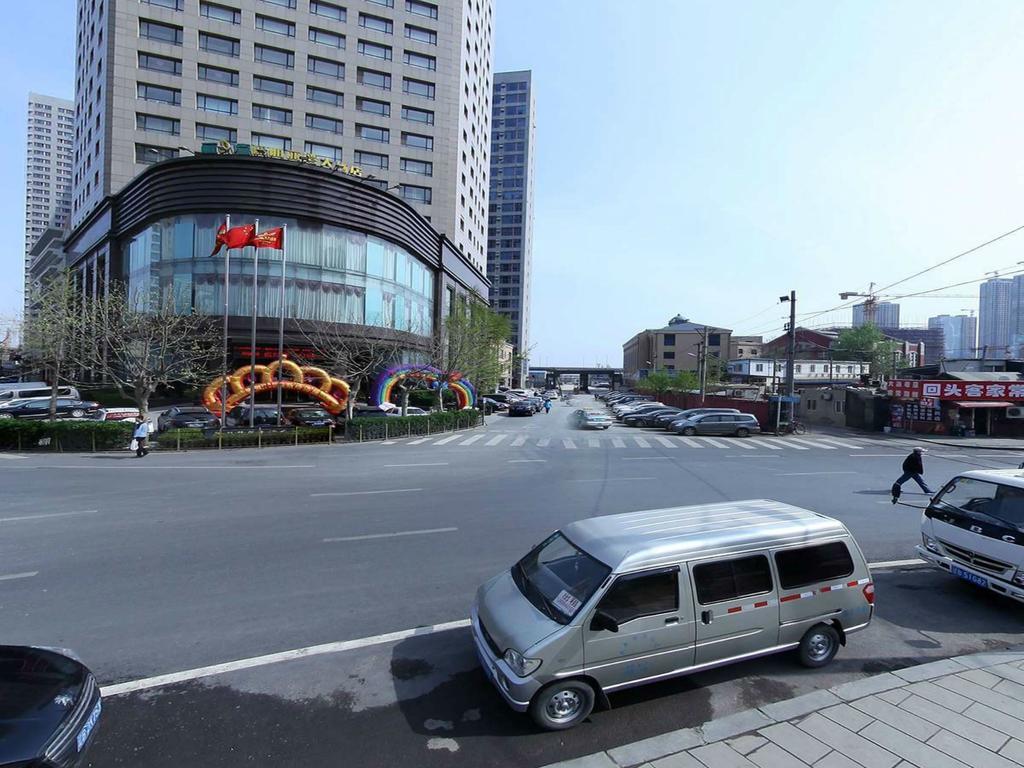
{"type": "Point", "coordinates": [741, 725]}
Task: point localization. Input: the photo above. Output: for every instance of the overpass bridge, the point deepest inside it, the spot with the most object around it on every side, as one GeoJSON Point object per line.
{"type": "Point", "coordinates": [552, 375]}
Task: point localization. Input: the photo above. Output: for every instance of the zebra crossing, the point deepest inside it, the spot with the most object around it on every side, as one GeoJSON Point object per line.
{"type": "Point", "coordinates": [647, 441]}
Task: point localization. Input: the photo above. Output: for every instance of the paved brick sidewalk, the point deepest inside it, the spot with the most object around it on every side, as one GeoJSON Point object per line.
{"type": "Point", "coordinates": [963, 711]}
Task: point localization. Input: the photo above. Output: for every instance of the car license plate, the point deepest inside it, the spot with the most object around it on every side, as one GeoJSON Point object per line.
{"type": "Point", "coordinates": [94, 716]}
{"type": "Point", "coordinates": [979, 581]}
{"type": "Point", "coordinates": [194, 424]}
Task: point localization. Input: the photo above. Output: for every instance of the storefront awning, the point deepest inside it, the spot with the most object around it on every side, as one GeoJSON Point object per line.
{"type": "Point", "coordinates": [981, 404]}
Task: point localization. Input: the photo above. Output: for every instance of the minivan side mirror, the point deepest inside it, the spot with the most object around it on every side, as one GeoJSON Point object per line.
{"type": "Point", "coordinates": [603, 622]}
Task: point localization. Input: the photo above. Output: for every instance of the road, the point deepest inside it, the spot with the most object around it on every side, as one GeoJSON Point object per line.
{"type": "Point", "coordinates": [179, 561]}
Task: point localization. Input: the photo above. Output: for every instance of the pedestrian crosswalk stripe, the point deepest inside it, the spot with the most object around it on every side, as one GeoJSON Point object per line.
{"type": "Point", "coordinates": [472, 440]}
{"type": "Point", "coordinates": [742, 442]}
{"type": "Point", "coordinates": [519, 441]}
{"type": "Point", "coordinates": [593, 442]}
{"type": "Point", "coordinates": [712, 441]}
{"type": "Point", "coordinates": [666, 442]}
{"type": "Point", "coordinates": [690, 442]}
{"type": "Point", "coordinates": [446, 440]}
{"type": "Point", "coordinates": [787, 443]}
{"type": "Point", "coordinates": [417, 442]}
{"type": "Point", "coordinates": [618, 443]}
{"type": "Point", "coordinates": [543, 442]}
{"type": "Point", "coordinates": [641, 442]}
{"type": "Point", "coordinates": [840, 443]}
{"type": "Point", "coordinates": [764, 444]}
{"type": "Point", "coordinates": [813, 444]}
{"type": "Point", "coordinates": [495, 440]}
{"type": "Point", "coordinates": [568, 443]}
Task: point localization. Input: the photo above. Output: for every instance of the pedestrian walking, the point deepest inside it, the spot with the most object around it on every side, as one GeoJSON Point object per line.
{"type": "Point", "coordinates": [547, 406]}
{"type": "Point", "coordinates": [141, 436]}
{"type": "Point", "coordinates": [913, 469]}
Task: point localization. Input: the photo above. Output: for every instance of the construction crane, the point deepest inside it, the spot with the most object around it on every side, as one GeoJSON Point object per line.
{"type": "Point", "coordinates": [871, 300]}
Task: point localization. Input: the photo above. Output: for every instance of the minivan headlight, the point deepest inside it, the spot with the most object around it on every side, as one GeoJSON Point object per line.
{"type": "Point", "coordinates": [929, 543]}
{"type": "Point", "coordinates": [1018, 577]}
{"type": "Point", "coordinates": [519, 664]}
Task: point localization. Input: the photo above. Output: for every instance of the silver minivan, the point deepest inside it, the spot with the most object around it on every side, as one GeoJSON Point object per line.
{"type": "Point", "coordinates": [31, 390]}
{"type": "Point", "coordinates": [613, 602]}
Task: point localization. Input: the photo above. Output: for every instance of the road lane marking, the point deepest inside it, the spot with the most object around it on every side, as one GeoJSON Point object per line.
{"type": "Point", "coordinates": [646, 458]}
{"type": "Point", "coordinates": [527, 461]}
{"type": "Point", "coordinates": [417, 442]}
{"type": "Point", "coordinates": [711, 441]}
{"type": "Point", "coordinates": [896, 563]}
{"type": "Point", "coordinates": [811, 443]}
{"type": "Point", "coordinates": [613, 479]}
{"type": "Point", "coordinates": [752, 456]}
{"type": "Point", "coordinates": [666, 442]}
{"type": "Point", "coordinates": [430, 464]}
{"type": "Point", "coordinates": [519, 441]}
{"type": "Point", "coordinates": [11, 456]}
{"type": "Point", "coordinates": [446, 440]}
{"type": "Point", "coordinates": [593, 442]}
{"type": "Point", "coordinates": [690, 442]}
{"type": "Point", "coordinates": [797, 474]}
{"type": "Point", "coordinates": [875, 455]}
{"type": "Point", "coordinates": [472, 440]}
{"type": "Point", "coordinates": [365, 493]}
{"type": "Point", "coordinates": [568, 443]}
{"type": "Point", "coordinates": [147, 683]}
{"type": "Point", "coordinates": [368, 536]}
{"type": "Point", "coordinates": [495, 440]}
{"type": "Point", "coordinates": [133, 466]}
{"type": "Point", "coordinates": [617, 442]}
{"type": "Point", "coordinates": [785, 443]}
{"type": "Point", "coordinates": [641, 442]}
{"type": "Point", "coordinates": [46, 516]}
{"type": "Point", "coordinates": [841, 443]}
{"type": "Point", "coordinates": [13, 576]}
{"type": "Point", "coordinates": [544, 442]}
{"type": "Point", "coordinates": [741, 442]}
{"type": "Point", "coordinates": [764, 444]}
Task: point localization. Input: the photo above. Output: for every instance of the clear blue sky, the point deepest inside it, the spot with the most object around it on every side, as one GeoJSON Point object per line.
{"type": "Point", "coordinates": [705, 158]}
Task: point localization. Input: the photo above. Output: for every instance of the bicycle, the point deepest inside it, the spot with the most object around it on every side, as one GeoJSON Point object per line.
{"type": "Point", "coordinates": [793, 427]}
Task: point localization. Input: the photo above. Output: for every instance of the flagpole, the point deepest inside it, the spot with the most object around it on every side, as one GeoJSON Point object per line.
{"type": "Point", "coordinates": [252, 338]}
{"type": "Point", "coordinates": [280, 328]}
{"type": "Point", "coordinates": [227, 362]}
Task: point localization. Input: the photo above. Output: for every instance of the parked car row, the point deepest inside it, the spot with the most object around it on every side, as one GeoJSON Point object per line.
{"type": "Point", "coordinates": [642, 411]}
{"type": "Point", "coordinates": [516, 402]}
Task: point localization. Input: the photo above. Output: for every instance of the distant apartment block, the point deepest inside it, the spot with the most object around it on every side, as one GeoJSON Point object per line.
{"type": "Point", "coordinates": [886, 314]}
{"type": "Point", "coordinates": [960, 333]}
{"type": "Point", "coordinates": [994, 317]}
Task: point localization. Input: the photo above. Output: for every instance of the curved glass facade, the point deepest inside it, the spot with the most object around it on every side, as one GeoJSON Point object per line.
{"type": "Point", "coordinates": [332, 274]}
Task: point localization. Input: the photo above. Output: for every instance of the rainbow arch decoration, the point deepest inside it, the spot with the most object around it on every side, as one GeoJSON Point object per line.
{"type": "Point", "coordinates": [465, 393]}
{"type": "Point", "coordinates": [331, 392]}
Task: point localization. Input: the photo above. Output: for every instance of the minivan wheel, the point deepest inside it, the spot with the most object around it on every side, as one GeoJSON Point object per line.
{"type": "Point", "coordinates": [562, 705]}
{"type": "Point", "coordinates": [77, 413]}
{"type": "Point", "coordinates": [689, 431]}
{"type": "Point", "coordinates": [818, 646]}
{"type": "Point", "coordinates": [742, 432]}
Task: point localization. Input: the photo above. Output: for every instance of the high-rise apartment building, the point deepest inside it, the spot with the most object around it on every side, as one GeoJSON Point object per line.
{"type": "Point", "coordinates": [960, 333]}
{"type": "Point", "coordinates": [994, 317]}
{"type": "Point", "coordinates": [510, 223]}
{"type": "Point", "coordinates": [400, 89]}
{"type": "Point", "coordinates": [1015, 320]}
{"type": "Point", "coordinates": [48, 158]}
{"type": "Point", "coordinates": [886, 314]}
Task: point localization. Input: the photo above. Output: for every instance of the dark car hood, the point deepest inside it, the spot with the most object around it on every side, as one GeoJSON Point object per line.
{"type": "Point", "coordinates": [31, 679]}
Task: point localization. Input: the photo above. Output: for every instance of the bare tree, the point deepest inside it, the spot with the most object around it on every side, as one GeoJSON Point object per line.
{"type": "Point", "coordinates": [52, 333]}
{"type": "Point", "coordinates": [140, 343]}
{"type": "Point", "coordinates": [468, 345]}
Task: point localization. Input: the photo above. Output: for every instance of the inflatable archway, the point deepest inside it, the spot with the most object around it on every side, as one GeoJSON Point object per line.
{"type": "Point", "coordinates": [464, 392]}
{"type": "Point", "coordinates": [332, 393]}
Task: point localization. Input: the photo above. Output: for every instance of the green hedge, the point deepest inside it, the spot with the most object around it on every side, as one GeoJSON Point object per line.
{"type": "Point", "coordinates": [174, 439]}
{"type": "Point", "coordinates": [380, 428]}
{"type": "Point", "coordinates": [21, 435]}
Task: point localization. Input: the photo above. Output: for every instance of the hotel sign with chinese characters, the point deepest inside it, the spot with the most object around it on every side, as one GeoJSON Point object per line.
{"type": "Point", "coordinates": [980, 391]}
{"type": "Point", "coordinates": [223, 147]}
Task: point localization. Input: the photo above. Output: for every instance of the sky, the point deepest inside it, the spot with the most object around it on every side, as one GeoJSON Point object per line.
{"type": "Point", "coordinates": [705, 158]}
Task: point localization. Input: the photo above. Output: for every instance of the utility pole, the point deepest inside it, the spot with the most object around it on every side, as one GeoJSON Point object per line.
{"type": "Point", "coordinates": [703, 364]}
{"type": "Point", "coordinates": [791, 351]}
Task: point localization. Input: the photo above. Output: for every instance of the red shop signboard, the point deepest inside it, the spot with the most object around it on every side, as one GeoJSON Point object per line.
{"type": "Point", "coordinates": [980, 391]}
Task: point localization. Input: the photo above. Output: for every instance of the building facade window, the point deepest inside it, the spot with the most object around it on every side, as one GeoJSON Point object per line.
{"type": "Point", "coordinates": [272, 85]}
{"type": "Point", "coordinates": [421, 60]}
{"type": "Point", "coordinates": [325, 67]}
{"type": "Point", "coordinates": [373, 106]}
{"type": "Point", "coordinates": [156, 63]}
{"type": "Point", "coordinates": [327, 10]}
{"type": "Point", "coordinates": [216, 104]}
{"type": "Point", "coordinates": [324, 96]}
{"type": "Point", "coordinates": [174, 5]}
{"type": "Point", "coordinates": [421, 167]}
{"type": "Point", "coordinates": [323, 37]}
{"type": "Point", "coordinates": [282, 3]}
{"type": "Point", "coordinates": [159, 93]}
{"type": "Point", "coordinates": [272, 142]}
{"type": "Point", "coordinates": [324, 150]}
{"type": "Point", "coordinates": [220, 12]}
{"type": "Point", "coordinates": [226, 46]}
{"type": "Point", "coordinates": [320, 123]}
{"type": "Point", "coordinates": [418, 115]}
{"type": "Point", "coordinates": [374, 79]}
{"type": "Point", "coordinates": [376, 23]}
{"type": "Point", "coordinates": [146, 153]}
{"type": "Point", "coordinates": [164, 33]}
{"type": "Point", "coordinates": [158, 124]}
{"type": "Point", "coordinates": [375, 50]}
{"type": "Point", "coordinates": [428, 10]}
{"type": "Point", "coordinates": [276, 56]}
{"type": "Point", "coordinates": [415, 193]}
{"type": "Point", "coordinates": [417, 140]}
{"type": "Point", "coordinates": [215, 133]}
{"type": "Point", "coordinates": [418, 87]}
{"type": "Point", "coordinates": [373, 133]}
{"type": "Point", "coordinates": [276, 26]}
{"type": "Point", "coordinates": [272, 114]}
{"type": "Point", "coordinates": [217, 74]}
{"type": "Point", "coordinates": [420, 34]}
{"type": "Point", "coordinates": [371, 159]}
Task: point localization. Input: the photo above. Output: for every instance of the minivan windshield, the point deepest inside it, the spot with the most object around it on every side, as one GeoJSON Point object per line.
{"type": "Point", "coordinates": [978, 498]}
{"type": "Point", "coordinates": [558, 578]}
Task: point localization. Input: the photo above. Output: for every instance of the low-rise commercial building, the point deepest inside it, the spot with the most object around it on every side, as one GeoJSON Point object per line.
{"type": "Point", "coordinates": [678, 346]}
{"type": "Point", "coordinates": [805, 371]}
{"type": "Point", "coordinates": [745, 346]}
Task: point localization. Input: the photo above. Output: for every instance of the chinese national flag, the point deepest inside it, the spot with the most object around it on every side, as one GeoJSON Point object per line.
{"type": "Point", "coordinates": [236, 237]}
{"type": "Point", "coordinates": [272, 238]}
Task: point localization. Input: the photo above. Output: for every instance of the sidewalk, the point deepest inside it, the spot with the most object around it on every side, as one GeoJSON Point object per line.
{"type": "Point", "coordinates": [972, 443]}
{"type": "Point", "coordinates": [963, 711]}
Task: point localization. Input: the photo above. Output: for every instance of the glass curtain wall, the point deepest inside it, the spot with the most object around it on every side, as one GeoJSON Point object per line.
{"type": "Point", "coordinates": [333, 274]}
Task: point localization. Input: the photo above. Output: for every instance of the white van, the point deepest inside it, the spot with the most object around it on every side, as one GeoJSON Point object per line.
{"type": "Point", "coordinates": [27, 390]}
{"type": "Point", "coordinates": [974, 529]}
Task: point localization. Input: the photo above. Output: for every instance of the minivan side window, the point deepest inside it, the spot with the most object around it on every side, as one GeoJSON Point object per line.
{"type": "Point", "coordinates": [810, 565]}
{"type": "Point", "coordinates": [730, 579]}
{"type": "Point", "coordinates": [642, 594]}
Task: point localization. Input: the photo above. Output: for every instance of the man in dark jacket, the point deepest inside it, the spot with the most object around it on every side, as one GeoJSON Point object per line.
{"type": "Point", "coordinates": [913, 468]}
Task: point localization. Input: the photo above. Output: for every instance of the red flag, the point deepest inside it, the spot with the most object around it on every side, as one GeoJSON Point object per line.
{"type": "Point", "coordinates": [236, 237]}
{"type": "Point", "coordinates": [272, 238]}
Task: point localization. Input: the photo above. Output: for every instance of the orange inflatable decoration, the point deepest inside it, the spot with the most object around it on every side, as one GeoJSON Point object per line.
{"type": "Point", "coordinates": [332, 393]}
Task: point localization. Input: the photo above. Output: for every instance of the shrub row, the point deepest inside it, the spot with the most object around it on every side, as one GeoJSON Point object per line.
{"type": "Point", "coordinates": [20, 435]}
{"type": "Point", "coordinates": [179, 439]}
{"type": "Point", "coordinates": [381, 428]}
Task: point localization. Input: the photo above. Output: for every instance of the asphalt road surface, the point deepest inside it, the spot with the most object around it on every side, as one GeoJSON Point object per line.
{"type": "Point", "coordinates": [177, 562]}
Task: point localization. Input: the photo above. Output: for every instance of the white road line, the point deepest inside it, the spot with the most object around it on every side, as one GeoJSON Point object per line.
{"type": "Point", "coordinates": [593, 442]}
{"type": "Point", "coordinates": [690, 442]}
{"type": "Point", "coordinates": [13, 576]}
{"type": "Point", "coordinates": [617, 442]}
{"type": "Point", "coordinates": [527, 461]}
{"type": "Point", "coordinates": [896, 564]}
{"type": "Point", "coordinates": [765, 444]}
{"type": "Point", "coordinates": [713, 442]}
{"type": "Point", "coordinates": [641, 442]}
{"type": "Point", "coordinates": [446, 440]}
{"type": "Point", "coordinates": [159, 681]}
{"type": "Point", "coordinates": [752, 456]}
{"type": "Point", "coordinates": [811, 443]}
{"type": "Point", "coordinates": [785, 443]}
{"type": "Point", "coordinates": [568, 443]}
{"type": "Point", "coordinates": [472, 440]}
{"type": "Point", "coordinates": [544, 442]}
{"type": "Point", "coordinates": [46, 516]}
{"type": "Point", "coordinates": [614, 479]}
{"type": "Point", "coordinates": [519, 441]}
{"type": "Point", "coordinates": [11, 456]}
{"type": "Point", "coordinates": [798, 474]}
{"type": "Point", "coordinates": [666, 442]}
{"type": "Point", "coordinates": [417, 442]}
{"type": "Point", "coordinates": [646, 458]}
{"type": "Point", "coordinates": [875, 455]}
{"type": "Point", "coordinates": [741, 442]}
{"type": "Point", "coordinates": [132, 466]}
{"type": "Point", "coordinates": [495, 440]}
{"type": "Point", "coordinates": [430, 464]}
{"type": "Point", "coordinates": [841, 443]}
{"type": "Point", "coordinates": [366, 493]}
{"type": "Point", "coordinates": [368, 536]}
